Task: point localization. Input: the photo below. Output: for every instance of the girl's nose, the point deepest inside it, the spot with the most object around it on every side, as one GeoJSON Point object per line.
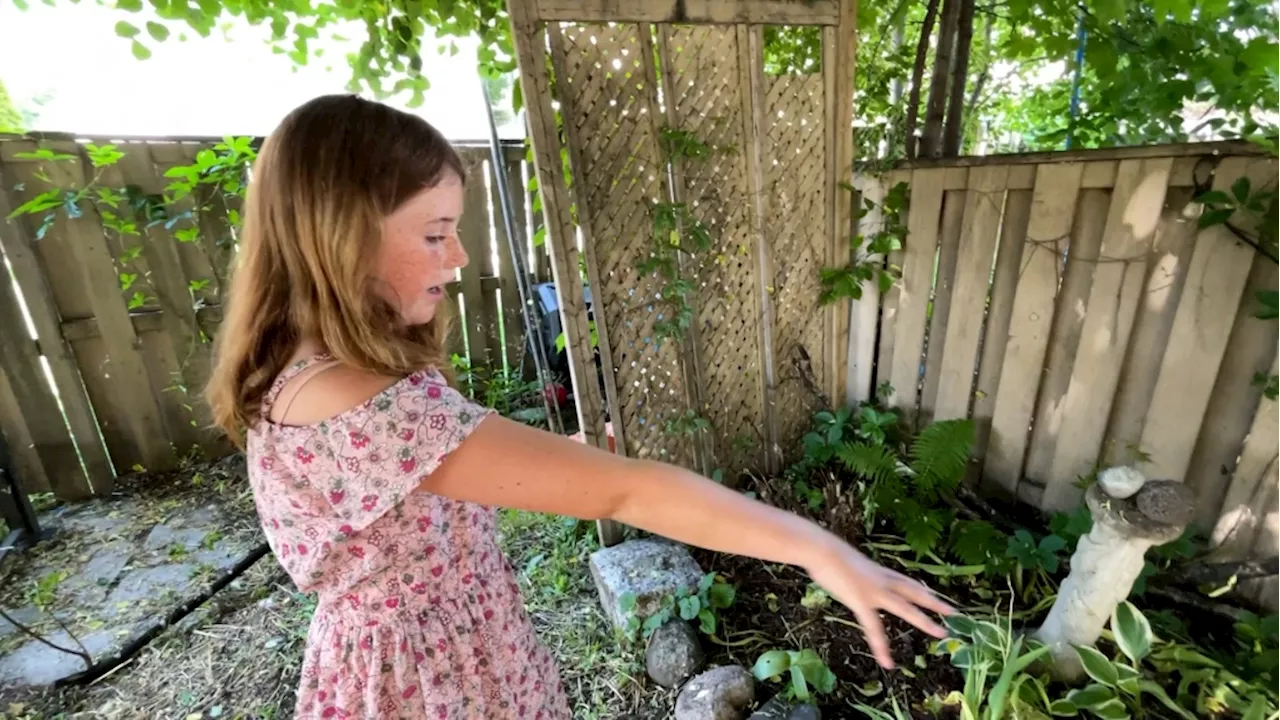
{"type": "Point", "coordinates": [457, 255]}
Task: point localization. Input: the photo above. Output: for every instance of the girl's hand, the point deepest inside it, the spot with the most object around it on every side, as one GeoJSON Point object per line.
{"type": "Point", "coordinates": [867, 588]}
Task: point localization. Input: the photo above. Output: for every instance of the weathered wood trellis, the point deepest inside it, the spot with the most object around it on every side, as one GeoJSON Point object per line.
{"type": "Point", "coordinates": [628, 74]}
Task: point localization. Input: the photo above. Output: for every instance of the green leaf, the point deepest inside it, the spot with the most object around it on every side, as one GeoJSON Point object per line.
{"type": "Point", "coordinates": [976, 541]}
{"type": "Point", "coordinates": [1156, 691]}
{"type": "Point", "coordinates": [1217, 216]}
{"type": "Point", "coordinates": [126, 29]}
{"type": "Point", "coordinates": [961, 625]}
{"type": "Point", "coordinates": [1270, 302]}
{"type": "Point", "coordinates": [1063, 708]}
{"type": "Point", "coordinates": [140, 51]}
{"type": "Point", "coordinates": [1091, 696]}
{"type": "Point", "coordinates": [799, 686]}
{"type": "Point", "coordinates": [690, 607]}
{"type": "Point", "coordinates": [1132, 631]}
{"type": "Point", "coordinates": [1098, 666]}
{"type": "Point", "coordinates": [129, 5]}
{"type": "Point", "coordinates": [1240, 188]}
{"type": "Point", "coordinates": [44, 201]}
{"type": "Point", "coordinates": [707, 621]}
{"type": "Point", "coordinates": [1112, 709]}
{"type": "Point", "coordinates": [158, 32]}
{"type": "Point", "coordinates": [771, 665]}
{"type": "Point", "coordinates": [722, 595]}
{"type": "Point", "coordinates": [705, 583]}
{"type": "Point", "coordinates": [627, 602]}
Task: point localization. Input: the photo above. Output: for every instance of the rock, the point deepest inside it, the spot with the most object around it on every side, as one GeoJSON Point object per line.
{"type": "Point", "coordinates": [780, 709]}
{"type": "Point", "coordinates": [648, 569]}
{"type": "Point", "coordinates": [1167, 502]}
{"type": "Point", "coordinates": [674, 654]}
{"type": "Point", "coordinates": [721, 693]}
{"type": "Point", "coordinates": [1121, 482]}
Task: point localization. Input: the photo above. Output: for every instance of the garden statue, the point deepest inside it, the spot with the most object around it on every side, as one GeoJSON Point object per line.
{"type": "Point", "coordinates": [1130, 515]}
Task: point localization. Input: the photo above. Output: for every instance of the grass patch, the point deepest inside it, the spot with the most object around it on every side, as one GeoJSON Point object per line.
{"type": "Point", "coordinates": [603, 675]}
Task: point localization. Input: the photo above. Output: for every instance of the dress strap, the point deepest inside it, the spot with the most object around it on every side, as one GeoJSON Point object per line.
{"type": "Point", "coordinates": [289, 373]}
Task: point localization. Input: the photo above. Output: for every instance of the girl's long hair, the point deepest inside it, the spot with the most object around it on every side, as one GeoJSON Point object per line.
{"type": "Point", "coordinates": [318, 193]}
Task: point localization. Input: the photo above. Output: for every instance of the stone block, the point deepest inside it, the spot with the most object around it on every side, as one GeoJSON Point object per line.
{"type": "Point", "coordinates": [650, 569]}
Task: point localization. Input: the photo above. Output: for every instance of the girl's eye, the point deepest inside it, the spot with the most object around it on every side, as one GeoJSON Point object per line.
{"type": "Point", "coordinates": [433, 239]}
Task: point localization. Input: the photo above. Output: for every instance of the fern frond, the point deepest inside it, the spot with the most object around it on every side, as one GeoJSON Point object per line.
{"type": "Point", "coordinates": [876, 463]}
{"type": "Point", "coordinates": [940, 453]}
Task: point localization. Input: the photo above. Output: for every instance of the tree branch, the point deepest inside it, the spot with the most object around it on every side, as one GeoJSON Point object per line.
{"type": "Point", "coordinates": [917, 77]}
{"type": "Point", "coordinates": [82, 653]}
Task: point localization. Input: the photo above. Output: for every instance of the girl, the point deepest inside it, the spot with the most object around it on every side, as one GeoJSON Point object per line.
{"type": "Point", "coordinates": [376, 482]}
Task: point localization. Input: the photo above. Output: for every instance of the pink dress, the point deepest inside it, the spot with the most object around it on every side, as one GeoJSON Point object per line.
{"type": "Point", "coordinates": [419, 614]}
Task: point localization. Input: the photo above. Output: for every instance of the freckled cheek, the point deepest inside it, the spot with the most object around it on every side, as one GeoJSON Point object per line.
{"type": "Point", "coordinates": [408, 273]}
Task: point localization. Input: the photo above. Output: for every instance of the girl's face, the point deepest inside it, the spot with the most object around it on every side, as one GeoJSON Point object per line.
{"type": "Point", "coordinates": [420, 250]}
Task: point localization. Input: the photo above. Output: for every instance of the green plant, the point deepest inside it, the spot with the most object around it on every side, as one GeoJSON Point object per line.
{"type": "Point", "coordinates": [867, 254]}
{"type": "Point", "coordinates": [909, 493]}
{"type": "Point", "coordinates": [501, 389]}
{"type": "Point", "coordinates": [984, 649]}
{"type": "Point", "coordinates": [804, 669]}
{"type": "Point", "coordinates": [1040, 560]}
{"type": "Point", "coordinates": [687, 423]}
{"type": "Point", "coordinates": [702, 604]}
{"type": "Point", "coordinates": [1119, 687]}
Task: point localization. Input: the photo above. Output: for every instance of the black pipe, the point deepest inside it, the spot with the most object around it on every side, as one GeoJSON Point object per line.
{"type": "Point", "coordinates": [541, 365]}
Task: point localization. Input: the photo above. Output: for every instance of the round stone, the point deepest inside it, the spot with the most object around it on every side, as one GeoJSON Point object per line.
{"type": "Point", "coordinates": [1121, 482]}
{"type": "Point", "coordinates": [1167, 502]}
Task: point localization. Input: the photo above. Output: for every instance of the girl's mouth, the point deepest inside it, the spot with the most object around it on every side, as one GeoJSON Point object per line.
{"type": "Point", "coordinates": [436, 290]}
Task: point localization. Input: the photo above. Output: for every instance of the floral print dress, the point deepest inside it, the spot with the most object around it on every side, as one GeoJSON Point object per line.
{"type": "Point", "coordinates": [419, 614]}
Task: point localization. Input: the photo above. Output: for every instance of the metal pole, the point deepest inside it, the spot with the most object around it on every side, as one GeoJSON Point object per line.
{"type": "Point", "coordinates": [541, 366]}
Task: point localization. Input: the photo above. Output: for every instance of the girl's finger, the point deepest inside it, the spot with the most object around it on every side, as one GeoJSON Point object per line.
{"type": "Point", "coordinates": [918, 593]}
{"type": "Point", "coordinates": [900, 606]}
{"type": "Point", "coordinates": [874, 630]}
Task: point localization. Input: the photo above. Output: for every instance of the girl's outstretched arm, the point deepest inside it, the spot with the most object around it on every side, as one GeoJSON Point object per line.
{"type": "Point", "coordinates": [507, 464]}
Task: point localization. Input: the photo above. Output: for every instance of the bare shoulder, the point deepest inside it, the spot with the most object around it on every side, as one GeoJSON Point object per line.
{"type": "Point", "coordinates": [326, 390]}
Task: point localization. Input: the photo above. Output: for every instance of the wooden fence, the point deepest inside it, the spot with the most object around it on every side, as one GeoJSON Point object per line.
{"type": "Point", "coordinates": [108, 375]}
{"type": "Point", "coordinates": [1072, 306]}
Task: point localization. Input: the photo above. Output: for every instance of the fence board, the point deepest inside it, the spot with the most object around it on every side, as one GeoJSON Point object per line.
{"type": "Point", "coordinates": [111, 366]}
{"type": "Point", "coordinates": [177, 364]}
{"type": "Point", "coordinates": [473, 232]}
{"type": "Point", "coordinates": [1109, 315]}
{"type": "Point", "coordinates": [911, 318]}
{"type": "Point", "coordinates": [984, 205]}
{"type": "Point", "coordinates": [509, 291]}
{"type": "Point", "coordinates": [32, 283]}
{"type": "Point", "coordinates": [1166, 275]}
{"type": "Point", "coordinates": [953, 207]}
{"type": "Point", "coordinates": [1249, 524]}
{"type": "Point", "coordinates": [1068, 323]}
{"type": "Point", "coordinates": [23, 448]}
{"type": "Point", "coordinates": [1197, 342]}
{"type": "Point", "coordinates": [1233, 403]}
{"type": "Point", "coordinates": [995, 337]}
{"type": "Point", "coordinates": [889, 303]}
{"type": "Point", "coordinates": [1048, 228]}
{"type": "Point", "coordinates": [864, 313]}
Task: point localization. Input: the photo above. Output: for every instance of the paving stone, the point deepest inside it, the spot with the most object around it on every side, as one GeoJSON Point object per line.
{"type": "Point", "coordinates": [38, 664]}
{"type": "Point", "coordinates": [148, 583]}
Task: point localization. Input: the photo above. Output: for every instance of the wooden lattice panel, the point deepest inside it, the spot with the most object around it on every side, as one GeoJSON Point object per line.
{"type": "Point", "coordinates": [610, 100]}
{"type": "Point", "coordinates": [794, 164]}
{"type": "Point", "coordinates": [704, 92]}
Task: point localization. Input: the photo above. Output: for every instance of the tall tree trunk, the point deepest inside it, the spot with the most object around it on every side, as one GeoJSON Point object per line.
{"type": "Point", "coordinates": [917, 76]}
{"type": "Point", "coordinates": [954, 132]}
{"type": "Point", "coordinates": [975, 95]}
{"type": "Point", "coordinates": [935, 112]}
